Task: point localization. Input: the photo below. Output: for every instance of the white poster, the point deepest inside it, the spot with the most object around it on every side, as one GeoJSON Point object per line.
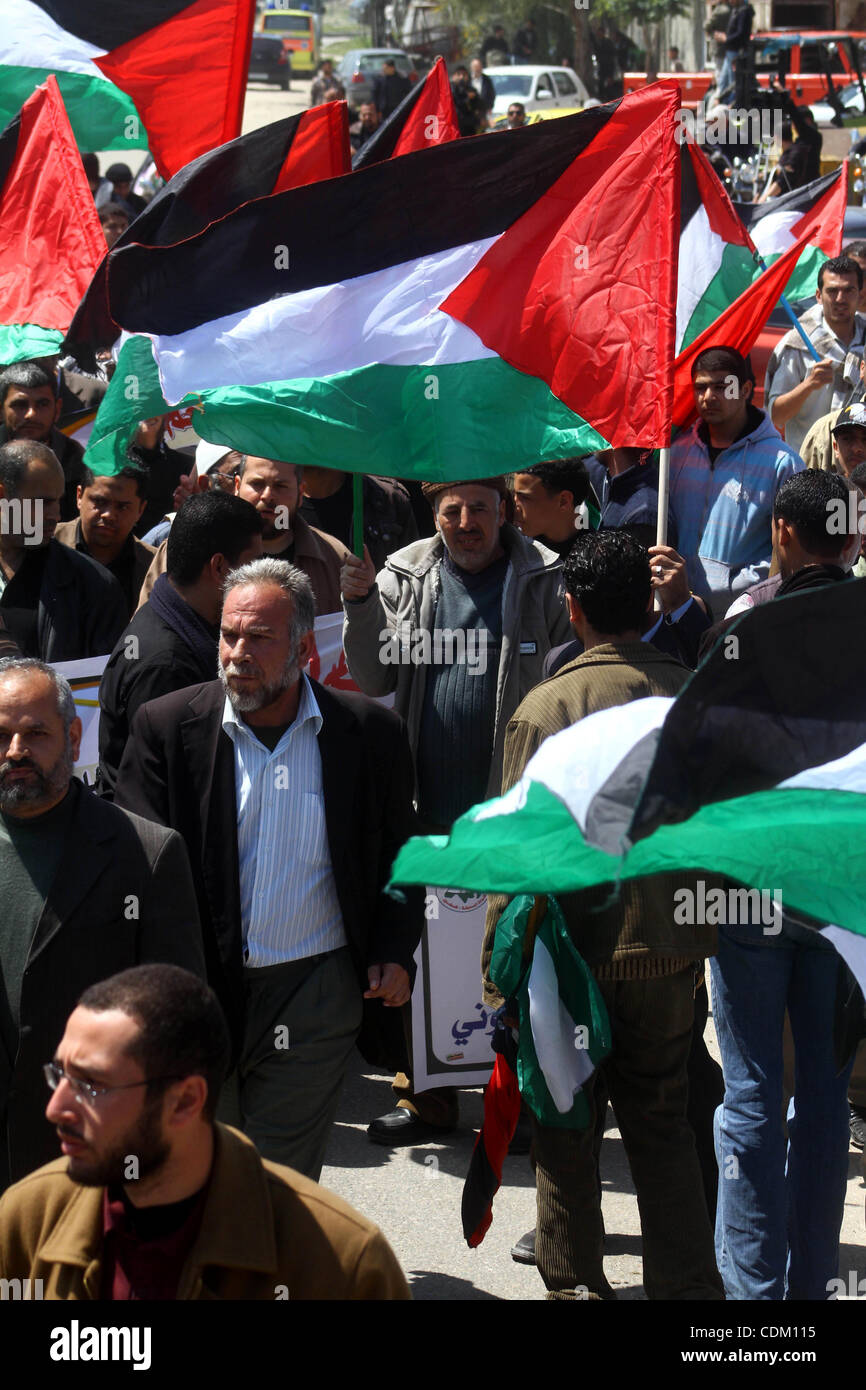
{"type": "Point", "coordinates": [328, 663]}
{"type": "Point", "coordinates": [451, 1026]}
{"type": "Point", "coordinates": [84, 677]}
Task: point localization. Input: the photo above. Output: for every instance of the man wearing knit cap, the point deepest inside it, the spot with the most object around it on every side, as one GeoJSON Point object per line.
{"type": "Point", "coordinates": [457, 627]}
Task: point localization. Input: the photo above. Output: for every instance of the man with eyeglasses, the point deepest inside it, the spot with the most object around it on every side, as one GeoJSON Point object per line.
{"type": "Point", "coordinates": [86, 890]}
{"type": "Point", "coordinates": [144, 1204]}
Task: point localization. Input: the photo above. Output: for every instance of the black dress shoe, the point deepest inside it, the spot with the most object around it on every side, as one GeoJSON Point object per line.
{"type": "Point", "coordinates": [857, 1126]}
{"type": "Point", "coordinates": [523, 1253]}
{"type": "Point", "coordinates": [404, 1127]}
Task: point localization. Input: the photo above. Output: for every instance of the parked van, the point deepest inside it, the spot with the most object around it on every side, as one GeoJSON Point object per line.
{"type": "Point", "coordinates": [297, 30]}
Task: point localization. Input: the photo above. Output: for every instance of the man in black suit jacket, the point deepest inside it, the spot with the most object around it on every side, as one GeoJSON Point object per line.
{"type": "Point", "coordinates": [87, 890]}
{"type": "Point", "coordinates": [293, 800]}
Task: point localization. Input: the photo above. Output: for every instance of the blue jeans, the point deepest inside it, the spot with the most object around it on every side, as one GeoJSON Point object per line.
{"type": "Point", "coordinates": [780, 1206]}
{"type": "Point", "coordinates": [726, 77]}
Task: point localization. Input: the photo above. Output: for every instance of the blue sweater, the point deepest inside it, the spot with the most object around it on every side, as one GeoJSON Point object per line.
{"type": "Point", "coordinates": [724, 508]}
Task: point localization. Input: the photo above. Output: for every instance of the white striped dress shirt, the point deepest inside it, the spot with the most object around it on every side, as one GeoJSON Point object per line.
{"type": "Point", "coordinates": [289, 906]}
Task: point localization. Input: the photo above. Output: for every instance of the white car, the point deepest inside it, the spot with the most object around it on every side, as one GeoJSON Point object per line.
{"type": "Point", "coordinates": [538, 88]}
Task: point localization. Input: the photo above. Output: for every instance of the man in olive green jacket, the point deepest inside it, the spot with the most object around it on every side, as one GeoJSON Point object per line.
{"type": "Point", "coordinates": [642, 959]}
{"type": "Point", "coordinates": [155, 1201]}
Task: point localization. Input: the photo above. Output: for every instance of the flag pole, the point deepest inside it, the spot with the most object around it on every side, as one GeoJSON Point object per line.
{"type": "Point", "coordinates": [662, 518]}
{"type": "Point", "coordinates": [358, 514]}
{"type": "Point", "coordinates": [786, 305]}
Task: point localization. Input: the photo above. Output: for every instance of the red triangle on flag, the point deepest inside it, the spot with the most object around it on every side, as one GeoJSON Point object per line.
{"type": "Point", "coordinates": [739, 326]}
{"type": "Point", "coordinates": [51, 240]}
{"type": "Point", "coordinates": [187, 78]}
{"type": "Point", "coordinates": [581, 290]}
{"type": "Point", "coordinates": [433, 118]}
{"type": "Point", "coordinates": [320, 148]}
{"type": "Point", "coordinates": [829, 213]}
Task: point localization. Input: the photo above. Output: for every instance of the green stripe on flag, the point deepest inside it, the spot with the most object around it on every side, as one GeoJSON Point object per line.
{"type": "Point", "coordinates": [735, 274]}
{"type": "Point", "coordinates": [134, 394]}
{"type": "Point", "coordinates": [101, 115]}
{"type": "Point", "coordinates": [426, 422]}
{"type": "Point", "coordinates": [21, 341]}
{"type": "Point", "coordinates": [766, 840]}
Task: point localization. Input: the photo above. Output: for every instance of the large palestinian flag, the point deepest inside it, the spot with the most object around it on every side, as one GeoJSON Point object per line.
{"type": "Point", "coordinates": [51, 241]}
{"type": "Point", "coordinates": [716, 261]}
{"type": "Point", "coordinates": [285, 154]}
{"type": "Point", "coordinates": [426, 116]}
{"type": "Point", "coordinates": [508, 298]}
{"type": "Point", "coordinates": [775, 226]}
{"type": "Point", "coordinates": [168, 75]}
{"type": "Point", "coordinates": [750, 772]}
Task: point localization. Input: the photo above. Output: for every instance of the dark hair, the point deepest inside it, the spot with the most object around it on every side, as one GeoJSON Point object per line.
{"type": "Point", "coordinates": [787, 129]}
{"type": "Point", "coordinates": [130, 471]}
{"type": "Point", "coordinates": [182, 1031]}
{"type": "Point", "coordinates": [91, 165]}
{"type": "Point", "coordinates": [857, 476]}
{"type": "Point", "coordinates": [27, 376]}
{"type": "Point", "coordinates": [208, 524]}
{"type": "Point", "coordinates": [855, 248]}
{"type": "Point", "coordinates": [804, 501]}
{"type": "Point", "coordinates": [608, 574]}
{"type": "Point", "coordinates": [562, 475]}
{"type": "Point", "coordinates": [15, 458]}
{"type": "Point", "coordinates": [112, 210]}
{"type": "Point", "coordinates": [724, 359]}
{"type": "Point", "coordinates": [841, 265]}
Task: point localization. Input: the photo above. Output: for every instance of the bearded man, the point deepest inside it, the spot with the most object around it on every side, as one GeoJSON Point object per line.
{"type": "Point", "coordinates": [293, 800]}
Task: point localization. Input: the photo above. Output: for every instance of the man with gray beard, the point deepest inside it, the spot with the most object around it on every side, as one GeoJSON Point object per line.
{"type": "Point", "coordinates": [86, 890]}
{"type": "Point", "coordinates": [293, 800]}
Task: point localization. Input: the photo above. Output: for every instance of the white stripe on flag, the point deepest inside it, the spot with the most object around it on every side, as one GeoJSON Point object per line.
{"type": "Point", "coordinates": [388, 317]}
{"type": "Point", "coordinates": [845, 774]}
{"type": "Point", "coordinates": [30, 38]}
{"type": "Point", "coordinates": [852, 949]}
{"type": "Point", "coordinates": [563, 1066]}
{"type": "Point", "coordinates": [701, 252]}
{"type": "Point", "coordinates": [772, 234]}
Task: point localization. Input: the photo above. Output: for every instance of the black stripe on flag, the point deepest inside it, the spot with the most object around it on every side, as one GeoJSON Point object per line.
{"type": "Point", "coordinates": [109, 23]}
{"type": "Point", "coordinates": [204, 190]}
{"type": "Point", "coordinates": [788, 696]}
{"type": "Point", "coordinates": [382, 144]}
{"type": "Point", "coordinates": [9, 148]}
{"type": "Point", "coordinates": [690, 198]}
{"type": "Point", "coordinates": [419, 205]}
{"type": "Point", "coordinates": [798, 200]}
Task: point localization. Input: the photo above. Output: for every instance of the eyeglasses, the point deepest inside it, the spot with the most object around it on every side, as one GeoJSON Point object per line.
{"type": "Point", "coordinates": [85, 1090]}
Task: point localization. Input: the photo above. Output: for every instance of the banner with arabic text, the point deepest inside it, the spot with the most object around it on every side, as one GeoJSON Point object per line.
{"type": "Point", "coordinates": [451, 1026]}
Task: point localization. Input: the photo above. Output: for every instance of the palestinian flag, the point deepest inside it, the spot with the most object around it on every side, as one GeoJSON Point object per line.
{"type": "Point", "coordinates": [168, 75]}
{"type": "Point", "coordinates": [51, 241]}
{"type": "Point", "coordinates": [750, 772]}
{"type": "Point", "coordinates": [775, 226]}
{"type": "Point", "coordinates": [426, 116]}
{"type": "Point", "coordinates": [739, 326]}
{"type": "Point", "coordinates": [716, 261]}
{"type": "Point", "coordinates": [286, 154]}
{"type": "Point", "coordinates": [483, 297]}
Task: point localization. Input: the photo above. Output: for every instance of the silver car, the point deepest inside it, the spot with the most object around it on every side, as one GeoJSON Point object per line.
{"type": "Point", "coordinates": [538, 88]}
{"type": "Point", "coordinates": [357, 69]}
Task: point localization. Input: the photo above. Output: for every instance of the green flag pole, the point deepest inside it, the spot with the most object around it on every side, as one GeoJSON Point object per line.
{"type": "Point", "coordinates": [358, 514]}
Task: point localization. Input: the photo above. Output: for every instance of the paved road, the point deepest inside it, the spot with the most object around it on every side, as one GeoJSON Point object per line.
{"type": "Point", "coordinates": [414, 1195]}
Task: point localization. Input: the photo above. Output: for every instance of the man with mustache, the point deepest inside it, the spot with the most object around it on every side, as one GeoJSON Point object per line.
{"type": "Point", "coordinates": [293, 799]}
{"type": "Point", "coordinates": [86, 890]}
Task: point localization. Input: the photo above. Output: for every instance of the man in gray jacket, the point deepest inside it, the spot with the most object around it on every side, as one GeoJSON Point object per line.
{"type": "Point", "coordinates": [457, 628]}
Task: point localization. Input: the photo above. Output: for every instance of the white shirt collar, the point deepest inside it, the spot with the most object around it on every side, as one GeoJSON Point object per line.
{"type": "Point", "coordinates": [307, 709]}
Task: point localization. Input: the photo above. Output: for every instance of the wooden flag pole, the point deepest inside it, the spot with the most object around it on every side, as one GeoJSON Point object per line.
{"type": "Point", "coordinates": [358, 514]}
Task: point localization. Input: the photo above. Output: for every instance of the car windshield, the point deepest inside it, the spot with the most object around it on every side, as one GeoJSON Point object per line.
{"type": "Point", "coordinates": [510, 84]}
{"type": "Point", "coordinates": [372, 62]}
{"type": "Point", "coordinates": [294, 23]}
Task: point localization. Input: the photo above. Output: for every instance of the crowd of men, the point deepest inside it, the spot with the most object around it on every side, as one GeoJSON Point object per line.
{"type": "Point", "coordinates": [192, 949]}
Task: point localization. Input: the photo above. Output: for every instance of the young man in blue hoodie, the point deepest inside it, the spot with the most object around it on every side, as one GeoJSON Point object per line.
{"type": "Point", "coordinates": [725, 472]}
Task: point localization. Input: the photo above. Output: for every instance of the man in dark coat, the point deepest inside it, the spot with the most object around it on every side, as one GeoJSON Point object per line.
{"type": "Point", "coordinates": [87, 890]}
{"type": "Point", "coordinates": [293, 800]}
{"type": "Point", "coordinates": [389, 88]}
{"type": "Point", "coordinates": [55, 603]}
